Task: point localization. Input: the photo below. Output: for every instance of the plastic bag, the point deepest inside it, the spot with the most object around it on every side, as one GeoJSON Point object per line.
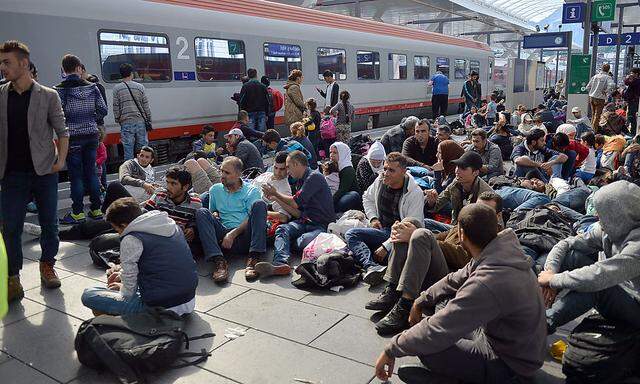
{"type": "Point", "coordinates": [324, 243]}
{"type": "Point", "coordinates": [350, 219]}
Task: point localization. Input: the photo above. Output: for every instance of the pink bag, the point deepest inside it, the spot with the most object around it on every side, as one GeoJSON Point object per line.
{"type": "Point", "coordinates": [325, 243]}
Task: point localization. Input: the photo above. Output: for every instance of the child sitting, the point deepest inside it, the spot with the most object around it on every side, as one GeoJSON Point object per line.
{"type": "Point", "coordinates": [331, 173]}
{"type": "Point", "coordinates": [588, 168]}
{"type": "Point", "coordinates": [157, 267]}
{"type": "Point", "coordinates": [206, 145]}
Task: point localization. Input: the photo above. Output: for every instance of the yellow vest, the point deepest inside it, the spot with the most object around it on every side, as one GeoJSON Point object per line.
{"type": "Point", "coordinates": [4, 279]}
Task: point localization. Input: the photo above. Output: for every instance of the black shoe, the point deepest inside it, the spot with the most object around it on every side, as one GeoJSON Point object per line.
{"type": "Point", "coordinates": [387, 299]}
{"type": "Point", "coordinates": [396, 321]}
{"type": "Point", "coordinates": [414, 374]}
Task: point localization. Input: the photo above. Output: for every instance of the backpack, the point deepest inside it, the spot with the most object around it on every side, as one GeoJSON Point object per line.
{"type": "Point", "coordinates": [133, 344]}
{"type": "Point", "coordinates": [601, 351]}
{"type": "Point", "coordinates": [105, 249]}
{"type": "Point", "coordinates": [309, 125]}
{"type": "Point", "coordinates": [277, 100]}
{"type": "Point", "coordinates": [500, 181]}
{"type": "Point", "coordinates": [328, 129]}
{"type": "Point", "coordinates": [540, 228]}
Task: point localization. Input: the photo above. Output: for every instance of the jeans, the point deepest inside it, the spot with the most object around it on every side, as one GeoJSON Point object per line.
{"type": "Point", "coordinates": [115, 190]}
{"type": "Point", "coordinates": [585, 176]}
{"type": "Point", "coordinates": [258, 120]}
{"type": "Point", "coordinates": [629, 159]}
{"type": "Point", "coordinates": [350, 200]}
{"type": "Point", "coordinates": [81, 163]}
{"type": "Point", "coordinates": [436, 226]}
{"type": "Point", "coordinates": [612, 303]}
{"type": "Point", "coordinates": [211, 231]}
{"type": "Point", "coordinates": [111, 302]}
{"type": "Point", "coordinates": [490, 121]}
{"type": "Point", "coordinates": [133, 136]}
{"type": "Point", "coordinates": [361, 241]}
{"type": "Point", "coordinates": [574, 199]}
{"type": "Point", "coordinates": [556, 170]}
{"type": "Point", "coordinates": [271, 120]}
{"type": "Point", "coordinates": [632, 116]}
{"type": "Point", "coordinates": [302, 232]}
{"type": "Point", "coordinates": [17, 190]}
{"type": "Point", "coordinates": [103, 175]}
{"type": "Point", "coordinates": [439, 104]}
{"type": "Point", "coordinates": [517, 199]}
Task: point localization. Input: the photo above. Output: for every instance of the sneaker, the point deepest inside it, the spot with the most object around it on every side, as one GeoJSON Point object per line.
{"type": "Point", "coordinates": [95, 214]}
{"type": "Point", "coordinates": [220, 270]}
{"type": "Point", "coordinates": [48, 276]}
{"type": "Point", "coordinates": [32, 229]}
{"type": "Point", "coordinates": [396, 321]}
{"type": "Point", "coordinates": [374, 275]}
{"type": "Point", "coordinates": [265, 269]}
{"type": "Point", "coordinates": [73, 219]}
{"type": "Point", "coordinates": [32, 207]}
{"type": "Point", "coordinates": [387, 299]}
{"type": "Point", "coordinates": [250, 273]}
{"type": "Point", "coordinates": [14, 289]}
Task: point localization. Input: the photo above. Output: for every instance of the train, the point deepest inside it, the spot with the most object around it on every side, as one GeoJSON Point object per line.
{"type": "Point", "coordinates": [191, 54]}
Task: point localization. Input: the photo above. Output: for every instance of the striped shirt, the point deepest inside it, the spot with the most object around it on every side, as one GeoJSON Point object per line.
{"type": "Point", "coordinates": [184, 214]}
{"type": "Point", "coordinates": [124, 108]}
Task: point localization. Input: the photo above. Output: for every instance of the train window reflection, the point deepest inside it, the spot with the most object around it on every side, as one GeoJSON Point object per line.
{"type": "Point", "coordinates": [460, 69]}
{"type": "Point", "coordinates": [397, 66]}
{"type": "Point", "coordinates": [281, 59]}
{"type": "Point", "coordinates": [421, 67]}
{"type": "Point", "coordinates": [333, 59]}
{"type": "Point", "coordinates": [148, 53]}
{"type": "Point", "coordinates": [442, 65]}
{"type": "Point", "coordinates": [368, 65]}
{"type": "Point", "coordinates": [474, 65]}
{"type": "Point", "coordinates": [219, 59]}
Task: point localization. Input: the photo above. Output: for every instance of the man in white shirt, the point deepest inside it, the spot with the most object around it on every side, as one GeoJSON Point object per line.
{"type": "Point", "coordinates": [599, 87]}
{"type": "Point", "coordinates": [330, 95]}
{"type": "Point", "coordinates": [279, 180]}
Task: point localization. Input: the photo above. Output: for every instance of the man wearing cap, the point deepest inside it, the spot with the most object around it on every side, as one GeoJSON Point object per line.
{"type": "Point", "coordinates": [582, 123]}
{"type": "Point", "coordinates": [464, 190]}
{"type": "Point", "coordinates": [244, 150]}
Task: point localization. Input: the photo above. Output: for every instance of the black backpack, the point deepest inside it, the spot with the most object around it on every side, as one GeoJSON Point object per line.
{"type": "Point", "coordinates": [540, 228]}
{"type": "Point", "coordinates": [105, 249]}
{"type": "Point", "coordinates": [133, 344]}
{"type": "Point", "coordinates": [601, 351]}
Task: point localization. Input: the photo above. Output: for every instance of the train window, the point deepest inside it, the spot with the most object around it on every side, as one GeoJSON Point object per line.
{"type": "Point", "coordinates": [281, 59]}
{"type": "Point", "coordinates": [397, 66]}
{"type": "Point", "coordinates": [333, 59]}
{"type": "Point", "coordinates": [219, 60]}
{"type": "Point", "coordinates": [421, 67]}
{"type": "Point", "coordinates": [368, 65]}
{"type": "Point", "coordinates": [460, 69]}
{"type": "Point", "coordinates": [474, 65]}
{"type": "Point", "coordinates": [442, 65]}
{"type": "Point", "coordinates": [148, 53]}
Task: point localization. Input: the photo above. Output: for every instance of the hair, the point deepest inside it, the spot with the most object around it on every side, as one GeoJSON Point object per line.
{"type": "Point", "coordinates": [327, 73]}
{"type": "Point", "coordinates": [330, 167]}
{"type": "Point", "coordinates": [147, 148]}
{"type": "Point", "coordinates": [600, 139]}
{"type": "Point", "coordinates": [33, 69]}
{"type": "Point", "coordinates": [271, 135]}
{"type": "Point", "coordinates": [18, 48]}
{"type": "Point", "coordinates": [281, 157]}
{"type": "Point", "coordinates": [397, 157]}
{"type": "Point", "coordinates": [293, 76]}
{"type": "Point", "coordinates": [344, 97]}
{"type": "Point", "coordinates": [492, 196]}
{"type": "Point", "coordinates": [534, 135]}
{"type": "Point", "coordinates": [297, 129]}
{"type": "Point", "coordinates": [265, 80]}
{"type": "Point", "coordinates": [180, 173]}
{"type": "Point", "coordinates": [424, 121]}
{"type": "Point", "coordinates": [252, 73]}
{"type": "Point", "coordinates": [473, 73]}
{"type": "Point", "coordinates": [479, 223]}
{"type": "Point", "coordinates": [206, 129]}
{"type": "Point", "coordinates": [311, 104]}
{"type": "Point", "coordinates": [445, 128]}
{"type": "Point", "coordinates": [560, 140]}
{"type": "Point", "coordinates": [70, 63]}
{"type": "Point", "coordinates": [589, 138]}
{"type": "Point", "coordinates": [521, 107]}
{"type": "Point", "coordinates": [449, 151]}
{"type": "Point", "coordinates": [123, 211]}
{"type": "Point", "coordinates": [125, 70]}
{"type": "Point", "coordinates": [327, 110]}
{"type": "Point", "coordinates": [235, 162]}
{"type": "Point", "coordinates": [635, 70]}
{"type": "Point", "coordinates": [493, 97]}
{"type": "Point", "coordinates": [479, 132]}
{"type": "Point", "coordinates": [243, 115]}
{"type": "Point", "coordinates": [299, 158]}
{"type": "Point", "coordinates": [606, 67]}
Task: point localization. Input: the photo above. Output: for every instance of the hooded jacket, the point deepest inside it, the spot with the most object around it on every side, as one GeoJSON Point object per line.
{"type": "Point", "coordinates": [498, 292]}
{"type": "Point", "coordinates": [82, 104]}
{"type": "Point", "coordinates": [293, 103]}
{"type": "Point", "coordinates": [616, 235]}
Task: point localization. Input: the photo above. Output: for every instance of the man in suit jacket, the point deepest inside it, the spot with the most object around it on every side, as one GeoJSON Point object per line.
{"type": "Point", "coordinates": [333, 89]}
{"type": "Point", "coordinates": [29, 162]}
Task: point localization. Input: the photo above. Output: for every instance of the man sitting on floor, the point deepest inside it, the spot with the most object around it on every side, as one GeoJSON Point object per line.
{"type": "Point", "coordinates": [156, 270]}
{"type": "Point", "coordinates": [533, 155]}
{"type": "Point", "coordinates": [420, 149]}
{"type": "Point", "coordinates": [490, 153]}
{"type": "Point", "coordinates": [236, 221]}
{"type": "Point", "coordinates": [278, 179]}
{"type": "Point", "coordinates": [393, 196]}
{"type": "Point", "coordinates": [136, 178]}
{"type": "Point", "coordinates": [495, 296]}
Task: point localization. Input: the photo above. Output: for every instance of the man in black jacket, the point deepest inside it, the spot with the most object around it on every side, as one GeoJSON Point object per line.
{"type": "Point", "coordinates": [254, 98]}
{"type": "Point", "coordinates": [632, 96]}
{"type": "Point", "coordinates": [333, 89]}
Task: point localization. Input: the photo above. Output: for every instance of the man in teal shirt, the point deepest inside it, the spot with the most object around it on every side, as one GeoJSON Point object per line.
{"type": "Point", "coordinates": [235, 221]}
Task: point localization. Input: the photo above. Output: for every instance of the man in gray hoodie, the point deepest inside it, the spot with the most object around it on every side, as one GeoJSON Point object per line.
{"type": "Point", "coordinates": [609, 283]}
{"type": "Point", "coordinates": [495, 295]}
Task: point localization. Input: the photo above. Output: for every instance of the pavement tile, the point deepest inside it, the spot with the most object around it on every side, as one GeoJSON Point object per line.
{"type": "Point", "coordinates": [283, 317]}
{"type": "Point", "coordinates": [200, 323]}
{"type": "Point", "coordinates": [190, 375]}
{"type": "Point", "coordinates": [4, 358]}
{"type": "Point", "coordinates": [278, 285]}
{"type": "Point", "coordinates": [350, 300]}
{"type": "Point", "coordinates": [19, 310]}
{"type": "Point", "coordinates": [261, 358]}
{"type": "Point", "coordinates": [15, 372]}
{"type": "Point", "coordinates": [44, 341]}
{"type": "Point", "coordinates": [210, 294]}
{"type": "Point", "coordinates": [31, 250]}
{"type": "Point", "coordinates": [30, 274]}
{"type": "Point", "coordinates": [67, 298]}
{"type": "Point", "coordinates": [82, 264]}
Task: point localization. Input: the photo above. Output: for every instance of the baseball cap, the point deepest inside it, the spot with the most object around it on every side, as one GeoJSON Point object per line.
{"type": "Point", "coordinates": [575, 110]}
{"type": "Point", "coordinates": [469, 159]}
{"type": "Point", "coordinates": [235, 131]}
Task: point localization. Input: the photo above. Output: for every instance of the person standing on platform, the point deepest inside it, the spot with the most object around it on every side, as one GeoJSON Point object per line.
{"type": "Point", "coordinates": [331, 94]}
{"type": "Point", "coordinates": [29, 116]}
{"type": "Point", "coordinates": [439, 94]}
{"type": "Point", "coordinates": [254, 98]}
{"type": "Point", "coordinates": [600, 87]}
{"type": "Point", "coordinates": [632, 96]}
{"type": "Point", "coordinates": [472, 92]}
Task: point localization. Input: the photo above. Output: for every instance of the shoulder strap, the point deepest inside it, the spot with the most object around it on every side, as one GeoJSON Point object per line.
{"type": "Point", "coordinates": [144, 117]}
{"type": "Point", "coordinates": [125, 373]}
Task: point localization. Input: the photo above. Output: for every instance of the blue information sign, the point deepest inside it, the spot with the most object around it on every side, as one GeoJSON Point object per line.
{"type": "Point", "coordinates": [573, 13]}
{"type": "Point", "coordinates": [184, 75]}
{"type": "Point", "coordinates": [364, 58]}
{"type": "Point", "coordinates": [608, 39]}
{"type": "Point", "coordinates": [546, 40]}
{"type": "Point", "coordinates": [442, 61]}
{"type": "Point", "coordinates": [283, 50]}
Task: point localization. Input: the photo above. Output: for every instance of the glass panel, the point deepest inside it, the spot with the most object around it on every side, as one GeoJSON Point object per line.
{"type": "Point", "coordinates": [474, 65]}
{"type": "Point", "coordinates": [333, 59]}
{"type": "Point", "coordinates": [148, 54]}
{"type": "Point", "coordinates": [368, 65]}
{"type": "Point", "coordinates": [460, 69]}
{"type": "Point", "coordinates": [397, 66]}
{"type": "Point", "coordinates": [442, 65]}
{"type": "Point", "coordinates": [421, 67]}
{"type": "Point", "coordinates": [281, 59]}
{"type": "Point", "coordinates": [219, 60]}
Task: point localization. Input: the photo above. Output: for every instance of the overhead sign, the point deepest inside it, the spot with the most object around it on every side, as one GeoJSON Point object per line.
{"type": "Point", "coordinates": [573, 13]}
{"type": "Point", "coordinates": [184, 75]}
{"type": "Point", "coordinates": [546, 40]}
{"type": "Point", "coordinates": [283, 50]}
{"type": "Point", "coordinates": [603, 10]}
{"type": "Point", "coordinates": [608, 39]}
{"type": "Point", "coordinates": [579, 74]}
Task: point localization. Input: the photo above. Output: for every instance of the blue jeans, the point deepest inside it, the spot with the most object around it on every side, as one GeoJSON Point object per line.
{"type": "Point", "coordinates": [613, 303]}
{"type": "Point", "coordinates": [556, 170]}
{"type": "Point", "coordinates": [301, 232]}
{"type": "Point", "coordinates": [361, 241]}
{"type": "Point", "coordinates": [81, 164]}
{"type": "Point", "coordinates": [258, 121]}
{"type": "Point", "coordinates": [350, 200]}
{"type": "Point", "coordinates": [17, 190]}
{"type": "Point", "coordinates": [585, 176]}
{"type": "Point", "coordinates": [111, 302]}
{"type": "Point", "coordinates": [271, 121]}
{"type": "Point", "coordinates": [629, 159]}
{"type": "Point", "coordinates": [133, 137]}
{"type": "Point", "coordinates": [574, 199]}
{"type": "Point", "coordinates": [211, 231]}
{"type": "Point", "coordinates": [436, 226]}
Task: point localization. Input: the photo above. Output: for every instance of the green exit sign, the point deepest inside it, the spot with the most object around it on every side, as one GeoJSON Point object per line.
{"type": "Point", "coordinates": [603, 10]}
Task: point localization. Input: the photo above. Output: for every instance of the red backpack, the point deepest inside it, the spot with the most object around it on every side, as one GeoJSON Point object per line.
{"type": "Point", "coordinates": [277, 99]}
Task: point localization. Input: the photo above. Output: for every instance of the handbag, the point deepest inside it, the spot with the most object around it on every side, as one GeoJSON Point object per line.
{"type": "Point", "coordinates": [147, 123]}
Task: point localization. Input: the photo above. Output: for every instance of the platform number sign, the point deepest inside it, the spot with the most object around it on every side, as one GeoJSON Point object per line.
{"type": "Point", "coordinates": [573, 13]}
{"type": "Point", "coordinates": [603, 10]}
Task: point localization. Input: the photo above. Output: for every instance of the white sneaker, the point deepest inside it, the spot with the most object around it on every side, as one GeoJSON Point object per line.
{"type": "Point", "coordinates": [32, 229]}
